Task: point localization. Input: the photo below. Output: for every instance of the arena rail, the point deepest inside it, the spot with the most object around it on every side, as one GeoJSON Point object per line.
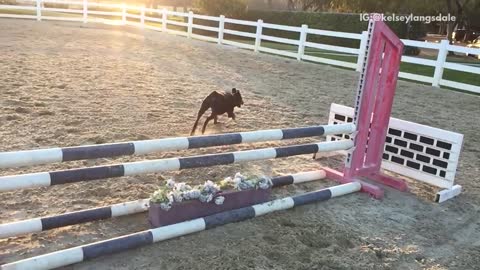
{"type": "Point", "coordinates": [40, 224]}
{"type": "Point", "coordinates": [122, 243]}
{"type": "Point", "coordinates": [51, 155]}
{"type": "Point", "coordinates": [45, 179]}
{"type": "Point", "coordinates": [184, 25]}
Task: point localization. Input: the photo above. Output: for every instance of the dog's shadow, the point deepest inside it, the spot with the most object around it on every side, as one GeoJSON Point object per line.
{"type": "Point", "coordinates": [224, 125]}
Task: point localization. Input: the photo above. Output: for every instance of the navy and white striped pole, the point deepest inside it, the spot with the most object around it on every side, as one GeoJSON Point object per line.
{"type": "Point", "coordinates": [47, 223]}
{"type": "Point", "coordinates": [120, 209]}
{"type": "Point", "coordinates": [44, 156]}
{"type": "Point", "coordinates": [122, 243]}
{"type": "Point", "coordinates": [45, 179]}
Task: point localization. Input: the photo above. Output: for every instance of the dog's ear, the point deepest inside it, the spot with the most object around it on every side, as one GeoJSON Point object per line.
{"type": "Point", "coordinates": [234, 90]}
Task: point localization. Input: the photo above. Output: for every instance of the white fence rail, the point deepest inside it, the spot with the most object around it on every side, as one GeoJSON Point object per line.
{"type": "Point", "coordinates": [80, 11]}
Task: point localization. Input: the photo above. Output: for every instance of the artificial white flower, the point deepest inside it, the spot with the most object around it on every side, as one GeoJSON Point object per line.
{"type": "Point", "coordinates": [265, 182]}
{"type": "Point", "coordinates": [178, 192]}
{"type": "Point", "coordinates": [165, 206]}
{"type": "Point", "coordinates": [219, 200]}
{"type": "Point", "coordinates": [239, 175]}
{"type": "Point", "coordinates": [170, 183]}
{"type": "Point", "coordinates": [194, 194]}
{"type": "Point", "coordinates": [177, 196]}
{"type": "Point", "coordinates": [205, 198]}
{"type": "Point", "coordinates": [182, 187]}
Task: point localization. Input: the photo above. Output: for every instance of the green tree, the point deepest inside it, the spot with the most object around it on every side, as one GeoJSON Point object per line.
{"type": "Point", "coordinates": [472, 16]}
{"type": "Point", "coordinates": [229, 8]}
{"type": "Point", "coordinates": [459, 9]}
{"type": "Point", "coordinates": [467, 12]}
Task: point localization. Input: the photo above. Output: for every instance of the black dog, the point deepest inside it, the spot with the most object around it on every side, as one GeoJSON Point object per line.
{"type": "Point", "coordinates": [220, 103]}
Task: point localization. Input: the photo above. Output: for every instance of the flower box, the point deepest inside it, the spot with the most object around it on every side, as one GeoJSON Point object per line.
{"type": "Point", "coordinates": [192, 209]}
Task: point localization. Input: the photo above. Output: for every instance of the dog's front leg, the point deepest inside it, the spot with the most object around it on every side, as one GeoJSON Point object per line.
{"type": "Point", "coordinates": [231, 115]}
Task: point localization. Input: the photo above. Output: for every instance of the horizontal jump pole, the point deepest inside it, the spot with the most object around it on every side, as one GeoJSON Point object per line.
{"type": "Point", "coordinates": [45, 156]}
{"type": "Point", "coordinates": [45, 179]}
{"type": "Point", "coordinates": [121, 209]}
{"type": "Point", "coordinates": [90, 251]}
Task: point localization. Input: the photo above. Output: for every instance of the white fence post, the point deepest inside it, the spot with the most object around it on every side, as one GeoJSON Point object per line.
{"type": "Point", "coordinates": [221, 27]}
{"type": "Point", "coordinates": [142, 15]}
{"type": "Point", "coordinates": [164, 20]}
{"type": "Point", "coordinates": [362, 51]}
{"type": "Point", "coordinates": [258, 36]}
{"type": "Point", "coordinates": [303, 39]}
{"type": "Point", "coordinates": [124, 13]}
{"type": "Point", "coordinates": [39, 10]}
{"type": "Point", "coordinates": [441, 58]}
{"type": "Point", "coordinates": [85, 11]}
{"type": "Point", "coordinates": [190, 24]}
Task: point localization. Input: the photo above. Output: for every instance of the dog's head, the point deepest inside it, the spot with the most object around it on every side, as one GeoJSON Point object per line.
{"type": "Point", "coordinates": [237, 98]}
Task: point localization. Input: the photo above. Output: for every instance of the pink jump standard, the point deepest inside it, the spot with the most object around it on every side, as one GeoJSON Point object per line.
{"type": "Point", "coordinates": [373, 106]}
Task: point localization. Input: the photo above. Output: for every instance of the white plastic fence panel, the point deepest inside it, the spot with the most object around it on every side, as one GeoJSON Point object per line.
{"type": "Point", "coordinates": [79, 3]}
{"type": "Point", "coordinates": [106, 13]}
{"type": "Point", "coordinates": [332, 48]}
{"type": "Point", "coordinates": [71, 19]}
{"type": "Point", "coordinates": [419, 61]}
{"type": "Point", "coordinates": [178, 23]}
{"type": "Point", "coordinates": [135, 16]}
{"type": "Point", "coordinates": [280, 40]}
{"type": "Point", "coordinates": [302, 41]}
{"type": "Point", "coordinates": [421, 44]}
{"type": "Point", "coordinates": [239, 33]}
{"type": "Point", "coordinates": [334, 34]}
{"type": "Point", "coordinates": [463, 86]}
{"type": "Point", "coordinates": [118, 6]}
{"type": "Point", "coordinates": [462, 67]}
{"type": "Point", "coordinates": [465, 50]}
{"type": "Point", "coordinates": [282, 27]}
{"type": "Point", "coordinates": [175, 13]}
{"type": "Point", "coordinates": [239, 44]}
{"type": "Point", "coordinates": [18, 16]}
{"type": "Point", "coordinates": [277, 52]}
{"type": "Point", "coordinates": [242, 22]}
{"type": "Point", "coordinates": [329, 61]}
{"type": "Point", "coordinates": [415, 77]}
{"type": "Point", "coordinates": [203, 27]}
{"type": "Point", "coordinates": [204, 17]}
{"type": "Point", "coordinates": [175, 32]}
{"type": "Point", "coordinates": [18, 7]}
{"type": "Point", "coordinates": [153, 19]}
{"type": "Point", "coordinates": [221, 28]}
{"type": "Point", "coordinates": [205, 38]}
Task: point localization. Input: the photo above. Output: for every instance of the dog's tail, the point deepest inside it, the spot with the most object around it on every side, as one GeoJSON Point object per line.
{"type": "Point", "coordinates": [205, 106]}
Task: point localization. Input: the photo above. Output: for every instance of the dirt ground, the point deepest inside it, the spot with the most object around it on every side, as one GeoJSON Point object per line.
{"type": "Point", "coordinates": [68, 84]}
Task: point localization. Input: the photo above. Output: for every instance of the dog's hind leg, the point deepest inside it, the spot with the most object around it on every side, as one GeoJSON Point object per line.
{"type": "Point", "coordinates": [206, 122]}
{"type": "Point", "coordinates": [205, 106]}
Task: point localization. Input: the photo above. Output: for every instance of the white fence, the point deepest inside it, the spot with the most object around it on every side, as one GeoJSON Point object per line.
{"type": "Point", "coordinates": [80, 11]}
